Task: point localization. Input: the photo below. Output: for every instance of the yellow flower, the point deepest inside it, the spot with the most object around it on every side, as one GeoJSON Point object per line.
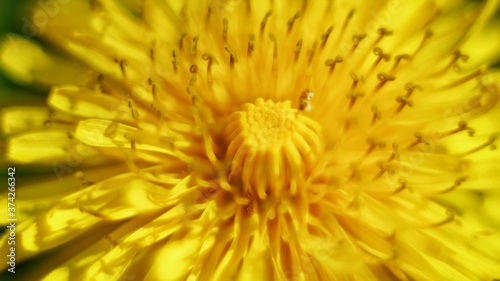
{"type": "Point", "coordinates": [256, 140]}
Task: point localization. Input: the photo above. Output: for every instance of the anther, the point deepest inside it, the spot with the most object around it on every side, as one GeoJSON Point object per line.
{"type": "Point", "coordinates": [264, 21]}
{"type": "Point", "coordinates": [305, 100]}
{"type": "Point", "coordinates": [194, 45]}
{"type": "Point", "coordinates": [325, 36]}
{"type": "Point", "coordinates": [232, 56]}
{"type": "Point", "coordinates": [193, 69]}
{"type": "Point", "coordinates": [383, 78]}
{"type": "Point", "coordinates": [123, 63]}
{"type": "Point", "coordinates": [251, 39]}
{"type": "Point", "coordinates": [292, 20]}
{"type": "Point", "coordinates": [332, 62]}
{"type": "Point", "coordinates": [225, 29]}
{"type": "Point", "coordinates": [298, 48]}
{"type": "Point", "coordinates": [133, 108]}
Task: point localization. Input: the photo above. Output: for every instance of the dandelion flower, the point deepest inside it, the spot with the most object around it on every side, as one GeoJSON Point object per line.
{"type": "Point", "coordinates": [257, 140]}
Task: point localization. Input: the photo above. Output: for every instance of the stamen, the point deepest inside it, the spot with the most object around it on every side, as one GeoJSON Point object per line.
{"type": "Point", "coordinates": [380, 56]}
{"type": "Point", "coordinates": [376, 114]}
{"type": "Point", "coordinates": [111, 130]}
{"type": "Point", "coordinates": [152, 51]}
{"type": "Point", "coordinates": [404, 101]}
{"type": "Point", "coordinates": [84, 182]}
{"type": "Point", "coordinates": [457, 55]}
{"type": "Point", "coordinates": [175, 60]}
{"type": "Point", "coordinates": [154, 90]}
{"type": "Point", "coordinates": [298, 48]}
{"type": "Point", "coordinates": [346, 23]}
{"type": "Point", "coordinates": [383, 168]}
{"type": "Point", "coordinates": [194, 45]}
{"type": "Point", "coordinates": [112, 241]}
{"type": "Point", "coordinates": [325, 36]}
{"type": "Point", "coordinates": [463, 80]}
{"type": "Point", "coordinates": [94, 4]}
{"type": "Point", "coordinates": [209, 13]}
{"type": "Point", "coordinates": [457, 183]}
{"type": "Point", "coordinates": [292, 20]}
{"type": "Point", "coordinates": [383, 78]}
{"type": "Point", "coordinates": [372, 145]}
{"type": "Point", "coordinates": [490, 143]}
{"type": "Point", "coordinates": [180, 43]}
{"type": "Point", "coordinates": [194, 70]}
{"type": "Point", "coordinates": [462, 126]}
{"type": "Point", "coordinates": [450, 218]}
{"type": "Point", "coordinates": [275, 49]}
{"type": "Point", "coordinates": [232, 56]}
{"type": "Point", "coordinates": [122, 63]}
{"type": "Point", "coordinates": [224, 29]}
{"type": "Point", "coordinates": [382, 32]}
{"type": "Point", "coordinates": [428, 34]}
{"type": "Point", "coordinates": [355, 81]}
{"type": "Point", "coordinates": [353, 98]}
{"type": "Point", "coordinates": [332, 62]}
{"type": "Point", "coordinates": [251, 39]}
{"type": "Point", "coordinates": [264, 20]}
{"type": "Point", "coordinates": [210, 59]}
{"type": "Point", "coordinates": [311, 54]}
{"type": "Point", "coordinates": [419, 139]}
{"type": "Point", "coordinates": [133, 108]}
{"type": "Point", "coordinates": [395, 152]}
{"type": "Point", "coordinates": [356, 39]}
{"type": "Point", "coordinates": [398, 59]}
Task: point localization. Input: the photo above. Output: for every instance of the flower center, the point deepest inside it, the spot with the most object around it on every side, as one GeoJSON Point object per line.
{"type": "Point", "coordinates": [272, 148]}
